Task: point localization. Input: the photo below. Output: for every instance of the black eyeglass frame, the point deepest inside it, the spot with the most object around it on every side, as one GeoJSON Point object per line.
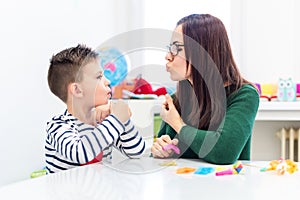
{"type": "Point", "coordinates": [178, 49]}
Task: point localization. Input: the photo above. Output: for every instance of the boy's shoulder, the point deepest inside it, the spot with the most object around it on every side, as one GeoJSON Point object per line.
{"type": "Point", "coordinates": [63, 117]}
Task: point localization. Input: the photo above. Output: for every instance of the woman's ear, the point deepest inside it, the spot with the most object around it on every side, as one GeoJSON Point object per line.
{"type": "Point", "coordinates": [75, 89]}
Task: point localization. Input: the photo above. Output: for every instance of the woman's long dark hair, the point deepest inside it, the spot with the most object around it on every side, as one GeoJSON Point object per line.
{"type": "Point", "coordinates": [200, 103]}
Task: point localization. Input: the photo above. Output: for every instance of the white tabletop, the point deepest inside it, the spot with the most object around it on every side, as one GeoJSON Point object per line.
{"type": "Point", "coordinates": [146, 179]}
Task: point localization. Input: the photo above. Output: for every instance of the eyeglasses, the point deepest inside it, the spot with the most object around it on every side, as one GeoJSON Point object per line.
{"type": "Point", "coordinates": [174, 48]}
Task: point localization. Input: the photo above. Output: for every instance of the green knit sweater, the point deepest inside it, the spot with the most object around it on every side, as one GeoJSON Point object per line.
{"type": "Point", "coordinates": [232, 140]}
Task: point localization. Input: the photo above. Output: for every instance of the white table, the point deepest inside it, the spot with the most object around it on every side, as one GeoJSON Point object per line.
{"type": "Point", "coordinates": [146, 179]}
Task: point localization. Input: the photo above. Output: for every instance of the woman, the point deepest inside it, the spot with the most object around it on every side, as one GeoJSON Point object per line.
{"type": "Point", "coordinates": [212, 113]}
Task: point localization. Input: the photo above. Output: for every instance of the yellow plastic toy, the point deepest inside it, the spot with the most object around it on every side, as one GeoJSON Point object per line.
{"type": "Point", "coordinates": [281, 166]}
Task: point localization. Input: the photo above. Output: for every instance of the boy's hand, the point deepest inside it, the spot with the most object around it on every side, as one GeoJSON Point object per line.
{"type": "Point", "coordinates": [157, 150]}
{"type": "Point", "coordinates": [120, 110]}
{"type": "Point", "coordinates": [102, 112]}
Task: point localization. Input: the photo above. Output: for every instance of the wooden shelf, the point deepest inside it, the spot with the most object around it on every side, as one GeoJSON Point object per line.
{"type": "Point", "coordinates": [278, 111]}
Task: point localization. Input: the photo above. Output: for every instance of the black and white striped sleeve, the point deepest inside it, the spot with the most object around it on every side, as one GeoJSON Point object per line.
{"type": "Point", "coordinates": [130, 141]}
{"type": "Point", "coordinates": [83, 144]}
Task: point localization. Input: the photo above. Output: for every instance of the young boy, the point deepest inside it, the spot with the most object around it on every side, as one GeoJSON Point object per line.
{"type": "Point", "coordinates": [86, 132]}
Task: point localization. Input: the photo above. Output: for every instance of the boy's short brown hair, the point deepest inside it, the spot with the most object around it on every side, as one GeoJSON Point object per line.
{"type": "Point", "coordinates": [65, 68]}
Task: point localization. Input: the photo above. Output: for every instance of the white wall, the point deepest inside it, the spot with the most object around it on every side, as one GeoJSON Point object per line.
{"type": "Point", "coordinates": [164, 15]}
{"type": "Point", "coordinates": [266, 34]}
{"type": "Point", "coordinates": [263, 34]}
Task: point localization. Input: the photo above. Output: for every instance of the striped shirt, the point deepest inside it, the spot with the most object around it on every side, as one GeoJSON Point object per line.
{"type": "Point", "coordinates": [71, 143]}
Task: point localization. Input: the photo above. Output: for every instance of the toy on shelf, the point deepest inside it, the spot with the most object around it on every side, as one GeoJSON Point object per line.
{"type": "Point", "coordinates": [281, 166]}
{"type": "Point", "coordinates": [286, 90]}
{"type": "Point", "coordinates": [267, 91]}
{"type": "Point", "coordinates": [126, 85]}
{"type": "Point", "coordinates": [298, 89]}
{"type": "Point", "coordinates": [137, 88]}
{"type": "Point", "coordinates": [144, 87]}
{"type": "Point", "coordinates": [130, 95]}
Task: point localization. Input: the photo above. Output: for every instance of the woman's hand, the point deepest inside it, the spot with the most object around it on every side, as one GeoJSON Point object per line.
{"type": "Point", "coordinates": [157, 150]}
{"type": "Point", "coordinates": [170, 114]}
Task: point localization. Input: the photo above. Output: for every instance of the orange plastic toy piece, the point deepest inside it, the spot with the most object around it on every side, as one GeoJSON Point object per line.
{"type": "Point", "coordinates": [185, 170]}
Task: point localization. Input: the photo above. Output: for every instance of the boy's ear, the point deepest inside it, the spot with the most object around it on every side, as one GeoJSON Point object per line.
{"type": "Point", "coordinates": [75, 89]}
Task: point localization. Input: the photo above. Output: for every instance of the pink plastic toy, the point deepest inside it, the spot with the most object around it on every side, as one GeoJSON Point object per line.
{"type": "Point", "coordinates": [171, 146]}
{"type": "Point", "coordinates": [225, 172]}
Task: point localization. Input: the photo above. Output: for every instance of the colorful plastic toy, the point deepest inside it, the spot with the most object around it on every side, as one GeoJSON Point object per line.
{"type": "Point", "coordinates": [171, 146]}
{"type": "Point", "coordinates": [281, 166]}
{"type": "Point", "coordinates": [38, 173]}
{"type": "Point", "coordinates": [185, 170]}
{"type": "Point", "coordinates": [204, 170]}
{"type": "Point", "coordinates": [168, 163]}
{"type": "Point", "coordinates": [235, 169]}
